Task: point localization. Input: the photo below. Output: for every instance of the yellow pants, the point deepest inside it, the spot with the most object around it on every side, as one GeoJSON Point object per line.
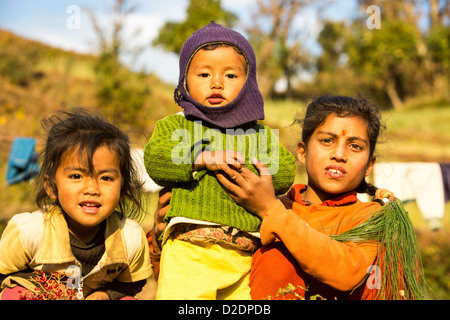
{"type": "Point", "coordinates": [203, 271]}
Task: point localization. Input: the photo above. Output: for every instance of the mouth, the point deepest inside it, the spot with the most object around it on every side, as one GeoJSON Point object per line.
{"type": "Point", "coordinates": [335, 171]}
{"type": "Point", "coordinates": [215, 98]}
{"type": "Point", "coordinates": [90, 207]}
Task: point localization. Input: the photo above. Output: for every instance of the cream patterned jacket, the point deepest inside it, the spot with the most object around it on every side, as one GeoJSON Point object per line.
{"type": "Point", "coordinates": [40, 241]}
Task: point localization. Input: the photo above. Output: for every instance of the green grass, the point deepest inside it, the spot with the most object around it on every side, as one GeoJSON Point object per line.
{"type": "Point", "coordinates": [412, 134]}
{"type": "Point", "coordinates": [417, 135]}
{"type": "Point", "coordinates": [80, 68]}
{"type": "Point", "coordinates": [281, 113]}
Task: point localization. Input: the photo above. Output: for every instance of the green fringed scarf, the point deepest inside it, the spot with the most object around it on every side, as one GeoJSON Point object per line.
{"type": "Point", "coordinates": [398, 255]}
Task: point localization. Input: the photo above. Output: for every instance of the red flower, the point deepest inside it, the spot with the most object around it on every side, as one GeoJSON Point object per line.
{"type": "Point", "coordinates": [218, 234]}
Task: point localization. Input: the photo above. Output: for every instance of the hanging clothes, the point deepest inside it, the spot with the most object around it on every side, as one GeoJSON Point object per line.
{"type": "Point", "coordinates": [445, 170]}
{"type": "Point", "coordinates": [23, 161]}
{"type": "Point", "coordinates": [137, 155]}
{"type": "Point", "coordinates": [419, 181]}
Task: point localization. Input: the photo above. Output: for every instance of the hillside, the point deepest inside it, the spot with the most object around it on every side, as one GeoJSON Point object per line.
{"type": "Point", "coordinates": [36, 79]}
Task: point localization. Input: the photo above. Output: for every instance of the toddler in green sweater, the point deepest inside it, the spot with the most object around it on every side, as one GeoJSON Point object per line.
{"type": "Point", "coordinates": [209, 240]}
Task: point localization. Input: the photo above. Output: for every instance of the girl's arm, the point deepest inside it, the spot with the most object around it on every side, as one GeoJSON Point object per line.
{"type": "Point", "coordinates": [340, 265]}
{"type": "Point", "coordinates": [13, 255]}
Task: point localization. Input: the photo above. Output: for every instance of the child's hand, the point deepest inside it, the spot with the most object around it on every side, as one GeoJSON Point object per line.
{"type": "Point", "coordinates": [216, 161]}
{"type": "Point", "coordinates": [254, 193]}
{"type": "Point", "coordinates": [98, 295]}
{"type": "Point", "coordinates": [159, 225]}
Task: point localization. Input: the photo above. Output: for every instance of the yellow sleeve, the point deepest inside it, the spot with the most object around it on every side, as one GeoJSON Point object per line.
{"type": "Point", "coordinates": [140, 267]}
{"type": "Point", "coordinates": [13, 254]}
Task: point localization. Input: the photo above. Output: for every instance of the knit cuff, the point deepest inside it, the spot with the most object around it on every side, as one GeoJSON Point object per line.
{"type": "Point", "coordinates": [197, 175]}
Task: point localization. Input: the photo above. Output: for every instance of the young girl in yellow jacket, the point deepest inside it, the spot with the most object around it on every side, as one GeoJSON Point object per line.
{"type": "Point", "coordinates": [82, 238]}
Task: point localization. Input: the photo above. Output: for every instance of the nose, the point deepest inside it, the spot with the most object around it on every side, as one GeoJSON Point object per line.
{"type": "Point", "coordinates": [216, 83]}
{"type": "Point", "coordinates": [91, 186]}
{"type": "Point", "coordinates": [339, 153]}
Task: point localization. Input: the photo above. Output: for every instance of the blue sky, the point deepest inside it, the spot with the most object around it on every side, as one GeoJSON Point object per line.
{"type": "Point", "coordinates": [46, 21]}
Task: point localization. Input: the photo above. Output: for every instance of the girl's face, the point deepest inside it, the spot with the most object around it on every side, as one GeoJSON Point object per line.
{"type": "Point", "coordinates": [215, 77]}
{"type": "Point", "coordinates": [88, 198]}
{"type": "Point", "coordinates": [336, 158]}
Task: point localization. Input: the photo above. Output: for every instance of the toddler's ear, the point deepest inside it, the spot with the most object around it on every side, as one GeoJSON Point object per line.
{"type": "Point", "coordinates": [48, 188]}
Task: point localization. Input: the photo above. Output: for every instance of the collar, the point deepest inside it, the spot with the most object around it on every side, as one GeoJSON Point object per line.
{"type": "Point", "coordinates": [55, 246]}
{"type": "Point", "coordinates": [297, 190]}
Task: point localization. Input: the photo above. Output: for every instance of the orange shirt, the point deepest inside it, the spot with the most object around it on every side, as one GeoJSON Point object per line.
{"type": "Point", "coordinates": [306, 256]}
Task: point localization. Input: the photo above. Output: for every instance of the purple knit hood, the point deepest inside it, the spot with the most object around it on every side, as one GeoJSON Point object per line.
{"type": "Point", "coordinates": [247, 107]}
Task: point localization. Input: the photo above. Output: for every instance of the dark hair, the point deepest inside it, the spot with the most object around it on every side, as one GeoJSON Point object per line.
{"type": "Point", "coordinates": [215, 45]}
{"type": "Point", "coordinates": [79, 131]}
{"type": "Point", "coordinates": [319, 109]}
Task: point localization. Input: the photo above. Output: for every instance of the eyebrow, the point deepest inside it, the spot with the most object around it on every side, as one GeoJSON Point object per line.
{"type": "Point", "coordinates": [228, 67]}
{"type": "Point", "coordinates": [334, 135]}
{"type": "Point", "coordinates": [108, 170]}
{"type": "Point", "coordinates": [236, 68]}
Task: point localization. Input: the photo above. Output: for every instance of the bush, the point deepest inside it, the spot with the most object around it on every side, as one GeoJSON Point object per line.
{"type": "Point", "coordinates": [19, 68]}
{"type": "Point", "coordinates": [435, 252]}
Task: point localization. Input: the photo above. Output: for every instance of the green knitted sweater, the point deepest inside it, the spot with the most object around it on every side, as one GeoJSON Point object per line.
{"type": "Point", "coordinates": [170, 153]}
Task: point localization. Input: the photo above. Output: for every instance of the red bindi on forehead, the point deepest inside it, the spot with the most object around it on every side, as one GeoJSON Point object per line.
{"type": "Point", "coordinates": [343, 132]}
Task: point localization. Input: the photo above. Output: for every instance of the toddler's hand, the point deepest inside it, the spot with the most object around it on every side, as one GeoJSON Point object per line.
{"type": "Point", "coordinates": [254, 193]}
{"type": "Point", "coordinates": [220, 161]}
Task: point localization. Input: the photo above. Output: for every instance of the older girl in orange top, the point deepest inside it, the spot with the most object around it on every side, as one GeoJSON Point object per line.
{"type": "Point", "coordinates": [337, 149]}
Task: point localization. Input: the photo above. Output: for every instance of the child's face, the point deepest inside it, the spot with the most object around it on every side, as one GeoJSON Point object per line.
{"type": "Point", "coordinates": [337, 156]}
{"type": "Point", "coordinates": [215, 77]}
{"type": "Point", "coordinates": [86, 198]}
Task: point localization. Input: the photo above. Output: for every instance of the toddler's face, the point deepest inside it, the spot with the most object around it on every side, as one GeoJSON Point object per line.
{"type": "Point", "coordinates": [215, 77]}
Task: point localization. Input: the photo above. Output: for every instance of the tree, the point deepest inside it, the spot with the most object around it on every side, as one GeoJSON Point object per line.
{"type": "Point", "coordinates": [438, 44]}
{"type": "Point", "coordinates": [395, 10]}
{"type": "Point", "coordinates": [172, 35]}
{"type": "Point", "coordinates": [333, 74]}
{"type": "Point", "coordinates": [439, 11]}
{"type": "Point", "coordinates": [332, 40]}
{"type": "Point", "coordinates": [119, 91]}
{"type": "Point", "coordinates": [401, 59]}
{"type": "Point", "coordinates": [277, 43]}
{"type": "Point", "coordinates": [388, 55]}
